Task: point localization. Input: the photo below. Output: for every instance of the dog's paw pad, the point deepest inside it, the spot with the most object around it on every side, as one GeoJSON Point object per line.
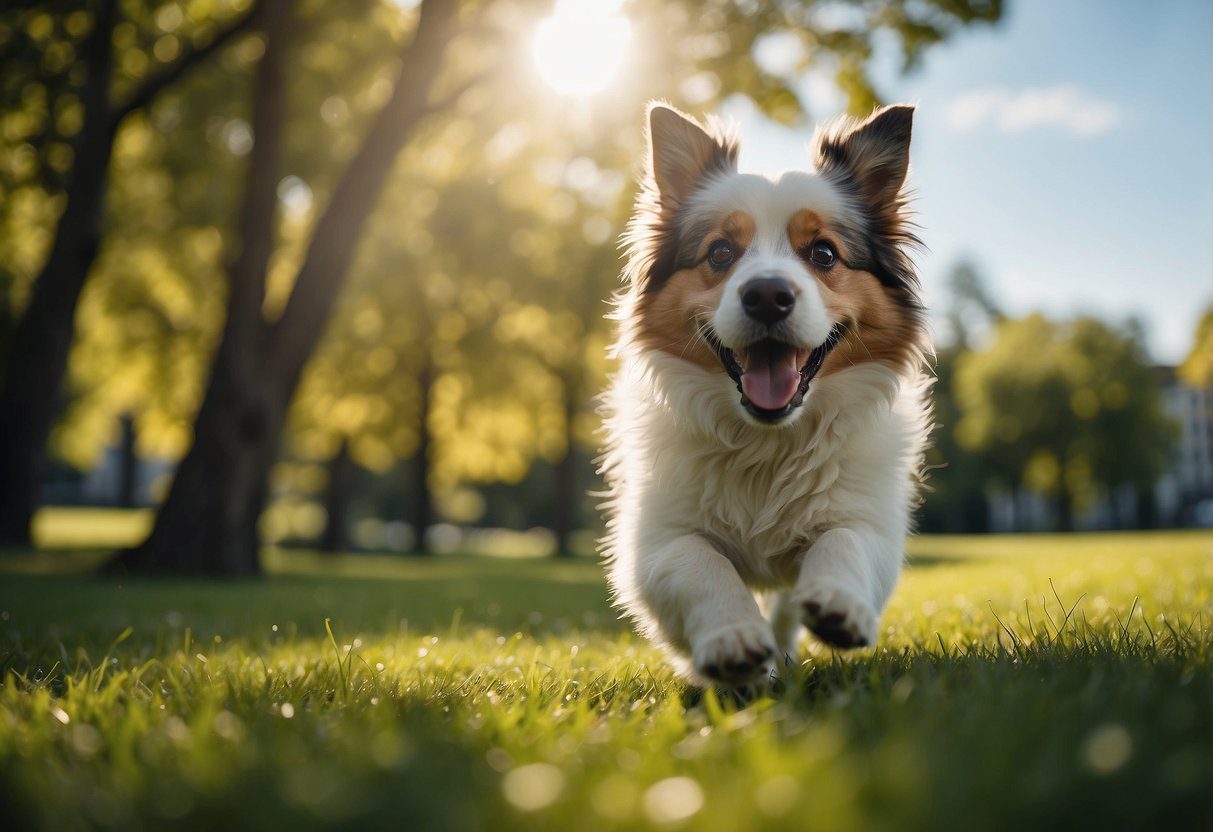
{"type": "Point", "coordinates": [735, 655]}
{"type": "Point", "coordinates": [838, 617]}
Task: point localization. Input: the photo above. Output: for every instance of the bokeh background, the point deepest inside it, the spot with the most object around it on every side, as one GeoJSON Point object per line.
{"type": "Point", "coordinates": [333, 275]}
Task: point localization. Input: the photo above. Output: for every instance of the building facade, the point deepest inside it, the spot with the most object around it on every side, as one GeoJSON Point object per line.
{"type": "Point", "coordinates": [1185, 492]}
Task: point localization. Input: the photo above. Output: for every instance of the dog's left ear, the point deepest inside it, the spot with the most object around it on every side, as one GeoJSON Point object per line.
{"type": "Point", "coordinates": [873, 155]}
{"type": "Point", "coordinates": [682, 152]}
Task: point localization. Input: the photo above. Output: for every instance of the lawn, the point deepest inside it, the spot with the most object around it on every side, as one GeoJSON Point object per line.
{"type": "Point", "coordinates": [1021, 682]}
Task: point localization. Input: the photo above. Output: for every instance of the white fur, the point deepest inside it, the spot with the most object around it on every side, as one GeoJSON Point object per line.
{"type": "Point", "coordinates": [771, 204]}
{"type": "Point", "coordinates": [707, 508]}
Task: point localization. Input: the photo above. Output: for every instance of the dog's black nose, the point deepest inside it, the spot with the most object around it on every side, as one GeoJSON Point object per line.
{"type": "Point", "coordinates": [768, 299]}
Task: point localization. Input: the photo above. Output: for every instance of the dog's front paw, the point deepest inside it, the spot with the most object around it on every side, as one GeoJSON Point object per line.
{"type": "Point", "coordinates": [837, 616]}
{"type": "Point", "coordinates": [735, 655]}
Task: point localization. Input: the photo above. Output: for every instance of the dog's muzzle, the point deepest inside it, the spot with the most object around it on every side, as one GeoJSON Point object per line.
{"type": "Point", "coordinates": [770, 366]}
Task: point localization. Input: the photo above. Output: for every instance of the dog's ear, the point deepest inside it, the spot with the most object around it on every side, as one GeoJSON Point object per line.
{"type": "Point", "coordinates": [873, 155]}
{"type": "Point", "coordinates": [682, 152]}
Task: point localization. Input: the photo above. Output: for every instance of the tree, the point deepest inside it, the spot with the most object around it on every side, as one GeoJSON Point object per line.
{"type": "Point", "coordinates": [1062, 409]}
{"type": "Point", "coordinates": [336, 508]}
{"type": "Point", "coordinates": [208, 523]}
{"type": "Point", "coordinates": [37, 360]}
{"type": "Point", "coordinates": [1197, 368]}
{"type": "Point", "coordinates": [971, 308]}
{"type": "Point", "coordinates": [956, 487]}
{"type": "Point", "coordinates": [155, 304]}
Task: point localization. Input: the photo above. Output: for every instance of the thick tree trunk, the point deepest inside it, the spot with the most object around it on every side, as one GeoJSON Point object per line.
{"type": "Point", "coordinates": [337, 500]}
{"type": "Point", "coordinates": [423, 507]}
{"type": "Point", "coordinates": [209, 523]}
{"type": "Point", "coordinates": [128, 465]}
{"type": "Point", "coordinates": [30, 394]}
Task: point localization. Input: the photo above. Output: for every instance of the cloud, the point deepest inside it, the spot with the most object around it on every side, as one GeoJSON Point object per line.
{"type": "Point", "coordinates": [1065, 107]}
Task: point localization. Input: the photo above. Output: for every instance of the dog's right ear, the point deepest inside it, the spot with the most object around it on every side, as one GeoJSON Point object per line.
{"type": "Point", "coordinates": [873, 155]}
{"type": "Point", "coordinates": [682, 152]}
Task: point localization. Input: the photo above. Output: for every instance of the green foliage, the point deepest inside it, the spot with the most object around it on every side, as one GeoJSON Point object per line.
{"type": "Point", "coordinates": [1197, 369]}
{"type": "Point", "coordinates": [1063, 409]}
{"type": "Point", "coordinates": [957, 479]}
{"type": "Point", "coordinates": [467, 693]}
{"type": "Point", "coordinates": [42, 75]}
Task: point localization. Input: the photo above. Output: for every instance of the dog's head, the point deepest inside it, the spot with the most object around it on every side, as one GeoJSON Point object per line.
{"type": "Point", "coordinates": [776, 282]}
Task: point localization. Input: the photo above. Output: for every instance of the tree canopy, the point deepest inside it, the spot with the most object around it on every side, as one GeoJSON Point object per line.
{"type": "Point", "coordinates": [1062, 408]}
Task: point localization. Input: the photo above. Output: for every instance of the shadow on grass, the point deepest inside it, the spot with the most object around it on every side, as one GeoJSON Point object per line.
{"type": "Point", "coordinates": [368, 598]}
{"type": "Point", "coordinates": [932, 561]}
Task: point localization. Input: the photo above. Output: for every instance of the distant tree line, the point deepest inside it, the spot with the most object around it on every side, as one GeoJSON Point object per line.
{"type": "Point", "coordinates": [1070, 410]}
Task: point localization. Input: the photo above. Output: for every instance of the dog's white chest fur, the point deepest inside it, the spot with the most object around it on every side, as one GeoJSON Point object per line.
{"type": "Point", "coordinates": [683, 464]}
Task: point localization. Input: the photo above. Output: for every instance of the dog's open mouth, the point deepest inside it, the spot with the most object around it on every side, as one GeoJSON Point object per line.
{"type": "Point", "coordinates": [772, 376]}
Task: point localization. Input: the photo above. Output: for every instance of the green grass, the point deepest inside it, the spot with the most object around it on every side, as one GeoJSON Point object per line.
{"type": "Point", "coordinates": [1056, 682]}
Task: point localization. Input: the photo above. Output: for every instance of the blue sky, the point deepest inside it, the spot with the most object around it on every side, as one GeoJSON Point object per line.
{"type": "Point", "coordinates": [1067, 152]}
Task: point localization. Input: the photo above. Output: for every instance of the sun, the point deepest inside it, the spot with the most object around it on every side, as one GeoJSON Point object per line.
{"type": "Point", "coordinates": [580, 48]}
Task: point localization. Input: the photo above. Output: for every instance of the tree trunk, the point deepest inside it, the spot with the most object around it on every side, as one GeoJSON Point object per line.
{"type": "Point", "coordinates": [423, 507]}
{"type": "Point", "coordinates": [128, 464]}
{"type": "Point", "coordinates": [209, 523]}
{"type": "Point", "coordinates": [1065, 510]}
{"type": "Point", "coordinates": [566, 497]}
{"type": "Point", "coordinates": [30, 395]}
{"type": "Point", "coordinates": [1147, 508]}
{"type": "Point", "coordinates": [337, 500]}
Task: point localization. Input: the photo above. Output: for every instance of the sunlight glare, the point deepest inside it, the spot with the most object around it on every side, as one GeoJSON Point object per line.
{"type": "Point", "coordinates": [580, 48]}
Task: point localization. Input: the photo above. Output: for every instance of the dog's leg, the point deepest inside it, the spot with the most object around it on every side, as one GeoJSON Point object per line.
{"type": "Point", "coordinates": [700, 605]}
{"type": "Point", "coordinates": [845, 580]}
{"type": "Point", "coordinates": [784, 614]}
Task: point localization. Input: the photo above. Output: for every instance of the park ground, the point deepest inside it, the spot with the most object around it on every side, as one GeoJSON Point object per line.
{"type": "Point", "coordinates": [1039, 682]}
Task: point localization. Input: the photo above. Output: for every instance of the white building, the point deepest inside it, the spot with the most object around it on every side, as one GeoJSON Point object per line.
{"type": "Point", "coordinates": [1185, 491]}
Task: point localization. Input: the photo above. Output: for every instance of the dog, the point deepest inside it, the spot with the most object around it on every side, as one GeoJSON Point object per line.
{"type": "Point", "coordinates": [766, 425]}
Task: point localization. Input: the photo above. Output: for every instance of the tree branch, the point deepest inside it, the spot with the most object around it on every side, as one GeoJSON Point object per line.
{"type": "Point", "coordinates": [339, 227]}
{"type": "Point", "coordinates": [154, 84]}
{"type": "Point", "coordinates": [451, 97]}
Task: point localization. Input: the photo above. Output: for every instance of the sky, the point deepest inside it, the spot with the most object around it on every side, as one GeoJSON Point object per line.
{"type": "Point", "coordinates": [1067, 152]}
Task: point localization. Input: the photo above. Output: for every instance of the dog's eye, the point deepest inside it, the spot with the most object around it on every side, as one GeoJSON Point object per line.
{"type": "Point", "coordinates": [822, 254]}
{"type": "Point", "coordinates": [721, 254]}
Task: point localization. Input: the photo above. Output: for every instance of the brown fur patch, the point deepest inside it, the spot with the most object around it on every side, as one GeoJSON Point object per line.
{"type": "Point", "coordinates": [738, 228]}
{"type": "Point", "coordinates": [669, 318]}
{"type": "Point", "coordinates": [803, 228]}
{"type": "Point", "coordinates": [879, 326]}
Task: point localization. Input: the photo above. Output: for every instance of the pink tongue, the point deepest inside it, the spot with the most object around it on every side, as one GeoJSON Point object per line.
{"type": "Point", "coordinates": [771, 376]}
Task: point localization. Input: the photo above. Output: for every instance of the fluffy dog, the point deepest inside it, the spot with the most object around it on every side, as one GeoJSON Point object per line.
{"type": "Point", "coordinates": [766, 426]}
